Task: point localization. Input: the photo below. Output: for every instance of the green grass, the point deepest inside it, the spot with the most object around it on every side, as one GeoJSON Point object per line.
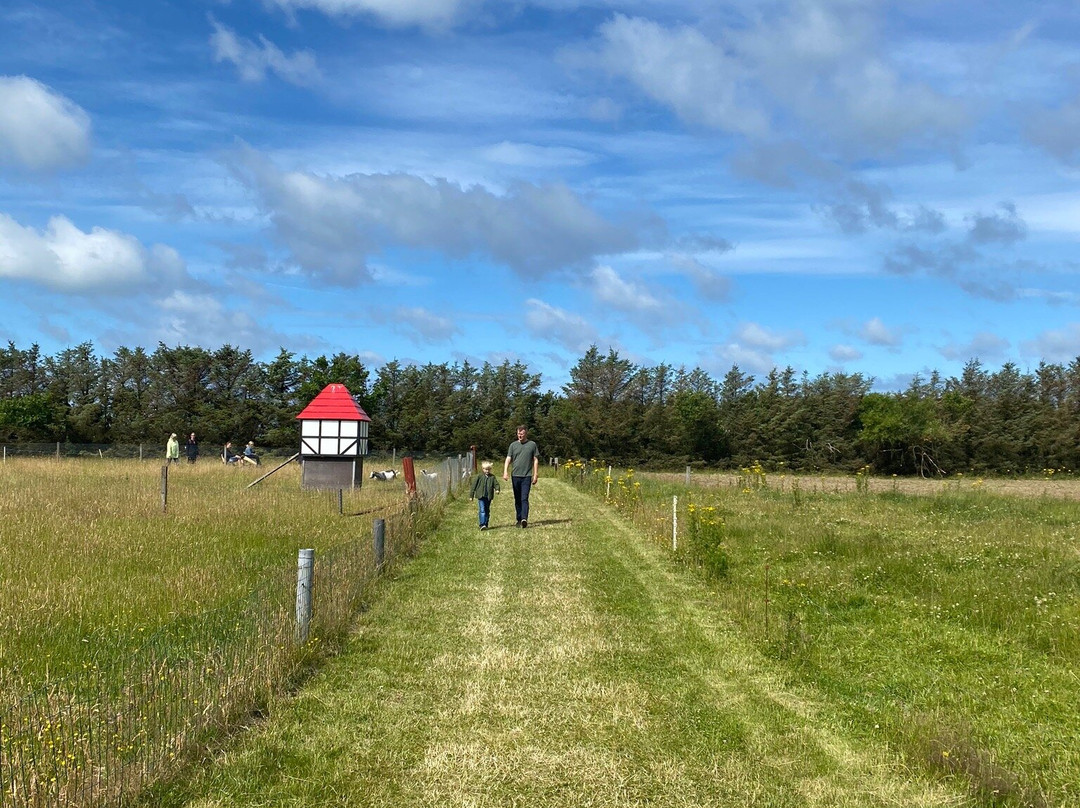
{"type": "Point", "coordinates": [946, 624]}
{"type": "Point", "coordinates": [567, 664]}
{"type": "Point", "coordinates": [95, 567]}
{"type": "Point", "coordinates": [811, 642]}
{"type": "Point", "coordinates": [133, 636]}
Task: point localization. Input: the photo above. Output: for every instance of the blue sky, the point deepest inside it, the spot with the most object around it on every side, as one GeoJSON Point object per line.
{"type": "Point", "coordinates": [864, 186]}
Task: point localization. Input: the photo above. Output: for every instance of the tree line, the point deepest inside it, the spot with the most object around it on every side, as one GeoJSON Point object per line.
{"type": "Point", "coordinates": [1003, 421]}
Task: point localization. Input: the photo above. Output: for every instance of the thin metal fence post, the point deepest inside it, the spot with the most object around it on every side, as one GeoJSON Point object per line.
{"type": "Point", "coordinates": [688, 476]}
{"type": "Point", "coordinates": [165, 488]}
{"type": "Point", "coordinates": [378, 538]}
{"type": "Point", "coordinates": [674, 523]}
{"type": "Point", "coordinates": [305, 574]}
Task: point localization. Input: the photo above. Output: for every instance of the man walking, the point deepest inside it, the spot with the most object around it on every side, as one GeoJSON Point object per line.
{"type": "Point", "coordinates": [523, 457]}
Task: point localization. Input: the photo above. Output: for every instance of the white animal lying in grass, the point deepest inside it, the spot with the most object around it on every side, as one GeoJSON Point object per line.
{"type": "Point", "coordinates": [431, 475]}
{"type": "Point", "coordinates": [389, 474]}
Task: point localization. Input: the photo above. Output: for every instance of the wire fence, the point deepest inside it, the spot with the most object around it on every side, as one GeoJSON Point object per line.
{"type": "Point", "coordinates": [208, 453]}
{"type": "Point", "coordinates": [97, 737]}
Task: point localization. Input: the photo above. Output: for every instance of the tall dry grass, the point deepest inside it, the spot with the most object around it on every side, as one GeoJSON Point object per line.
{"type": "Point", "coordinates": [135, 629]}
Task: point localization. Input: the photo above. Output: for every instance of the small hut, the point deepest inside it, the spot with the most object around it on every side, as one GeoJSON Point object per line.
{"type": "Point", "coordinates": [333, 440]}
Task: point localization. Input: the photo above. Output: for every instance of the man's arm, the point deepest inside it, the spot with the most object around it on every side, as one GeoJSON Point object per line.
{"type": "Point", "coordinates": [506, 468]}
{"type": "Point", "coordinates": [536, 467]}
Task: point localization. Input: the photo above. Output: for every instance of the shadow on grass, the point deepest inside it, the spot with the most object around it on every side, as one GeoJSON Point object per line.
{"type": "Point", "coordinates": [532, 524]}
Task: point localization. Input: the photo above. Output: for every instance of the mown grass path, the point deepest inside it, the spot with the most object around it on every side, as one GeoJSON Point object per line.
{"type": "Point", "coordinates": [567, 664]}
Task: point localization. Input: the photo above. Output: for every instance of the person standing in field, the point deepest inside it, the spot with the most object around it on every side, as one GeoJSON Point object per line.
{"type": "Point", "coordinates": [172, 449]}
{"type": "Point", "coordinates": [483, 490]}
{"type": "Point", "coordinates": [192, 449]}
{"type": "Point", "coordinates": [523, 458]}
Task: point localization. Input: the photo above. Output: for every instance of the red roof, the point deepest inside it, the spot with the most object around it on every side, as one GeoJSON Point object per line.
{"type": "Point", "coordinates": [334, 403]}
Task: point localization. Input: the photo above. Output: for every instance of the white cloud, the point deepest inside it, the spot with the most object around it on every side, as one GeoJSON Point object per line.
{"type": "Point", "coordinates": [826, 64]}
{"type": "Point", "coordinates": [202, 319]}
{"type": "Point", "coordinates": [40, 130]}
{"type": "Point", "coordinates": [612, 290]}
{"type": "Point", "coordinates": [64, 258]}
{"type": "Point", "coordinates": [758, 337]}
{"type": "Point", "coordinates": [333, 225]}
{"type": "Point", "coordinates": [425, 13]}
{"type": "Point", "coordinates": [709, 284]}
{"type": "Point", "coordinates": [557, 325]}
{"type": "Point", "coordinates": [818, 72]}
{"type": "Point", "coordinates": [984, 345]}
{"type": "Point", "coordinates": [254, 60]}
{"type": "Point", "coordinates": [528, 155]}
{"type": "Point", "coordinates": [1055, 345]}
{"type": "Point", "coordinates": [683, 69]}
{"type": "Point", "coordinates": [845, 353]}
{"type": "Point", "coordinates": [751, 347]}
{"type": "Point", "coordinates": [876, 332]}
{"type": "Point", "coordinates": [1057, 130]}
{"type": "Point", "coordinates": [733, 353]}
{"type": "Point", "coordinates": [423, 325]}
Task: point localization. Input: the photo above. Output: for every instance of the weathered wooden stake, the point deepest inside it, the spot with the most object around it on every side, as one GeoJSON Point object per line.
{"type": "Point", "coordinates": [165, 488]}
{"type": "Point", "coordinates": [688, 476]}
{"type": "Point", "coordinates": [305, 575]}
{"type": "Point", "coordinates": [340, 502]}
{"type": "Point", "coordinates": [378, 538]}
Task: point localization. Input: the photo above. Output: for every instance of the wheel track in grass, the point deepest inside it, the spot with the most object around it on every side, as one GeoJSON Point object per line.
{"type": "Point", "coordinates": [565, 664]}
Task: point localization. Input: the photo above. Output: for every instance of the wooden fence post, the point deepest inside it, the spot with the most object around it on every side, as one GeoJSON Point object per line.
{"type": "Point", "coordinates": [378, 537]}
{"type": "Point", "coordinates": [165, 488]}
{"type": "Point", "coordinates": [305, 574]}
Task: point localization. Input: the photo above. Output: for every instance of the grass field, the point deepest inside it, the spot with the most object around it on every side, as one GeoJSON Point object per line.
{"type": "Point", "coordinates": [946, 621]}
{"type": "Point", "coordinates": [569, 664]}
{"type": "Point", "coordinates": [821, 641]}
{"type": "Point", "coordinates": [136, 629]}
{"type": "Point", "coordinates": [95, 565]}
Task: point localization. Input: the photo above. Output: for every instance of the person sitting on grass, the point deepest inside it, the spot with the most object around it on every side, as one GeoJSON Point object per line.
{"type": "Point", "coordinates": [228, 456]}
{"type": "Point", "coordinates": [249, 453]}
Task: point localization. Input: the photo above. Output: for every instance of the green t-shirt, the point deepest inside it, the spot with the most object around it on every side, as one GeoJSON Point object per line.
{"type": "Point", "coordinates": [521, 457]}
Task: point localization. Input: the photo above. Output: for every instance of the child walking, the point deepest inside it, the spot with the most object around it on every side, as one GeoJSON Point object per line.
{"type": "Point", "coordinates": [484, 489]}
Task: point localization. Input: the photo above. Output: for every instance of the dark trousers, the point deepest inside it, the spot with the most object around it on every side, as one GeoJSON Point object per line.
{"type": "Point", "coordinates": [522, 486]}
